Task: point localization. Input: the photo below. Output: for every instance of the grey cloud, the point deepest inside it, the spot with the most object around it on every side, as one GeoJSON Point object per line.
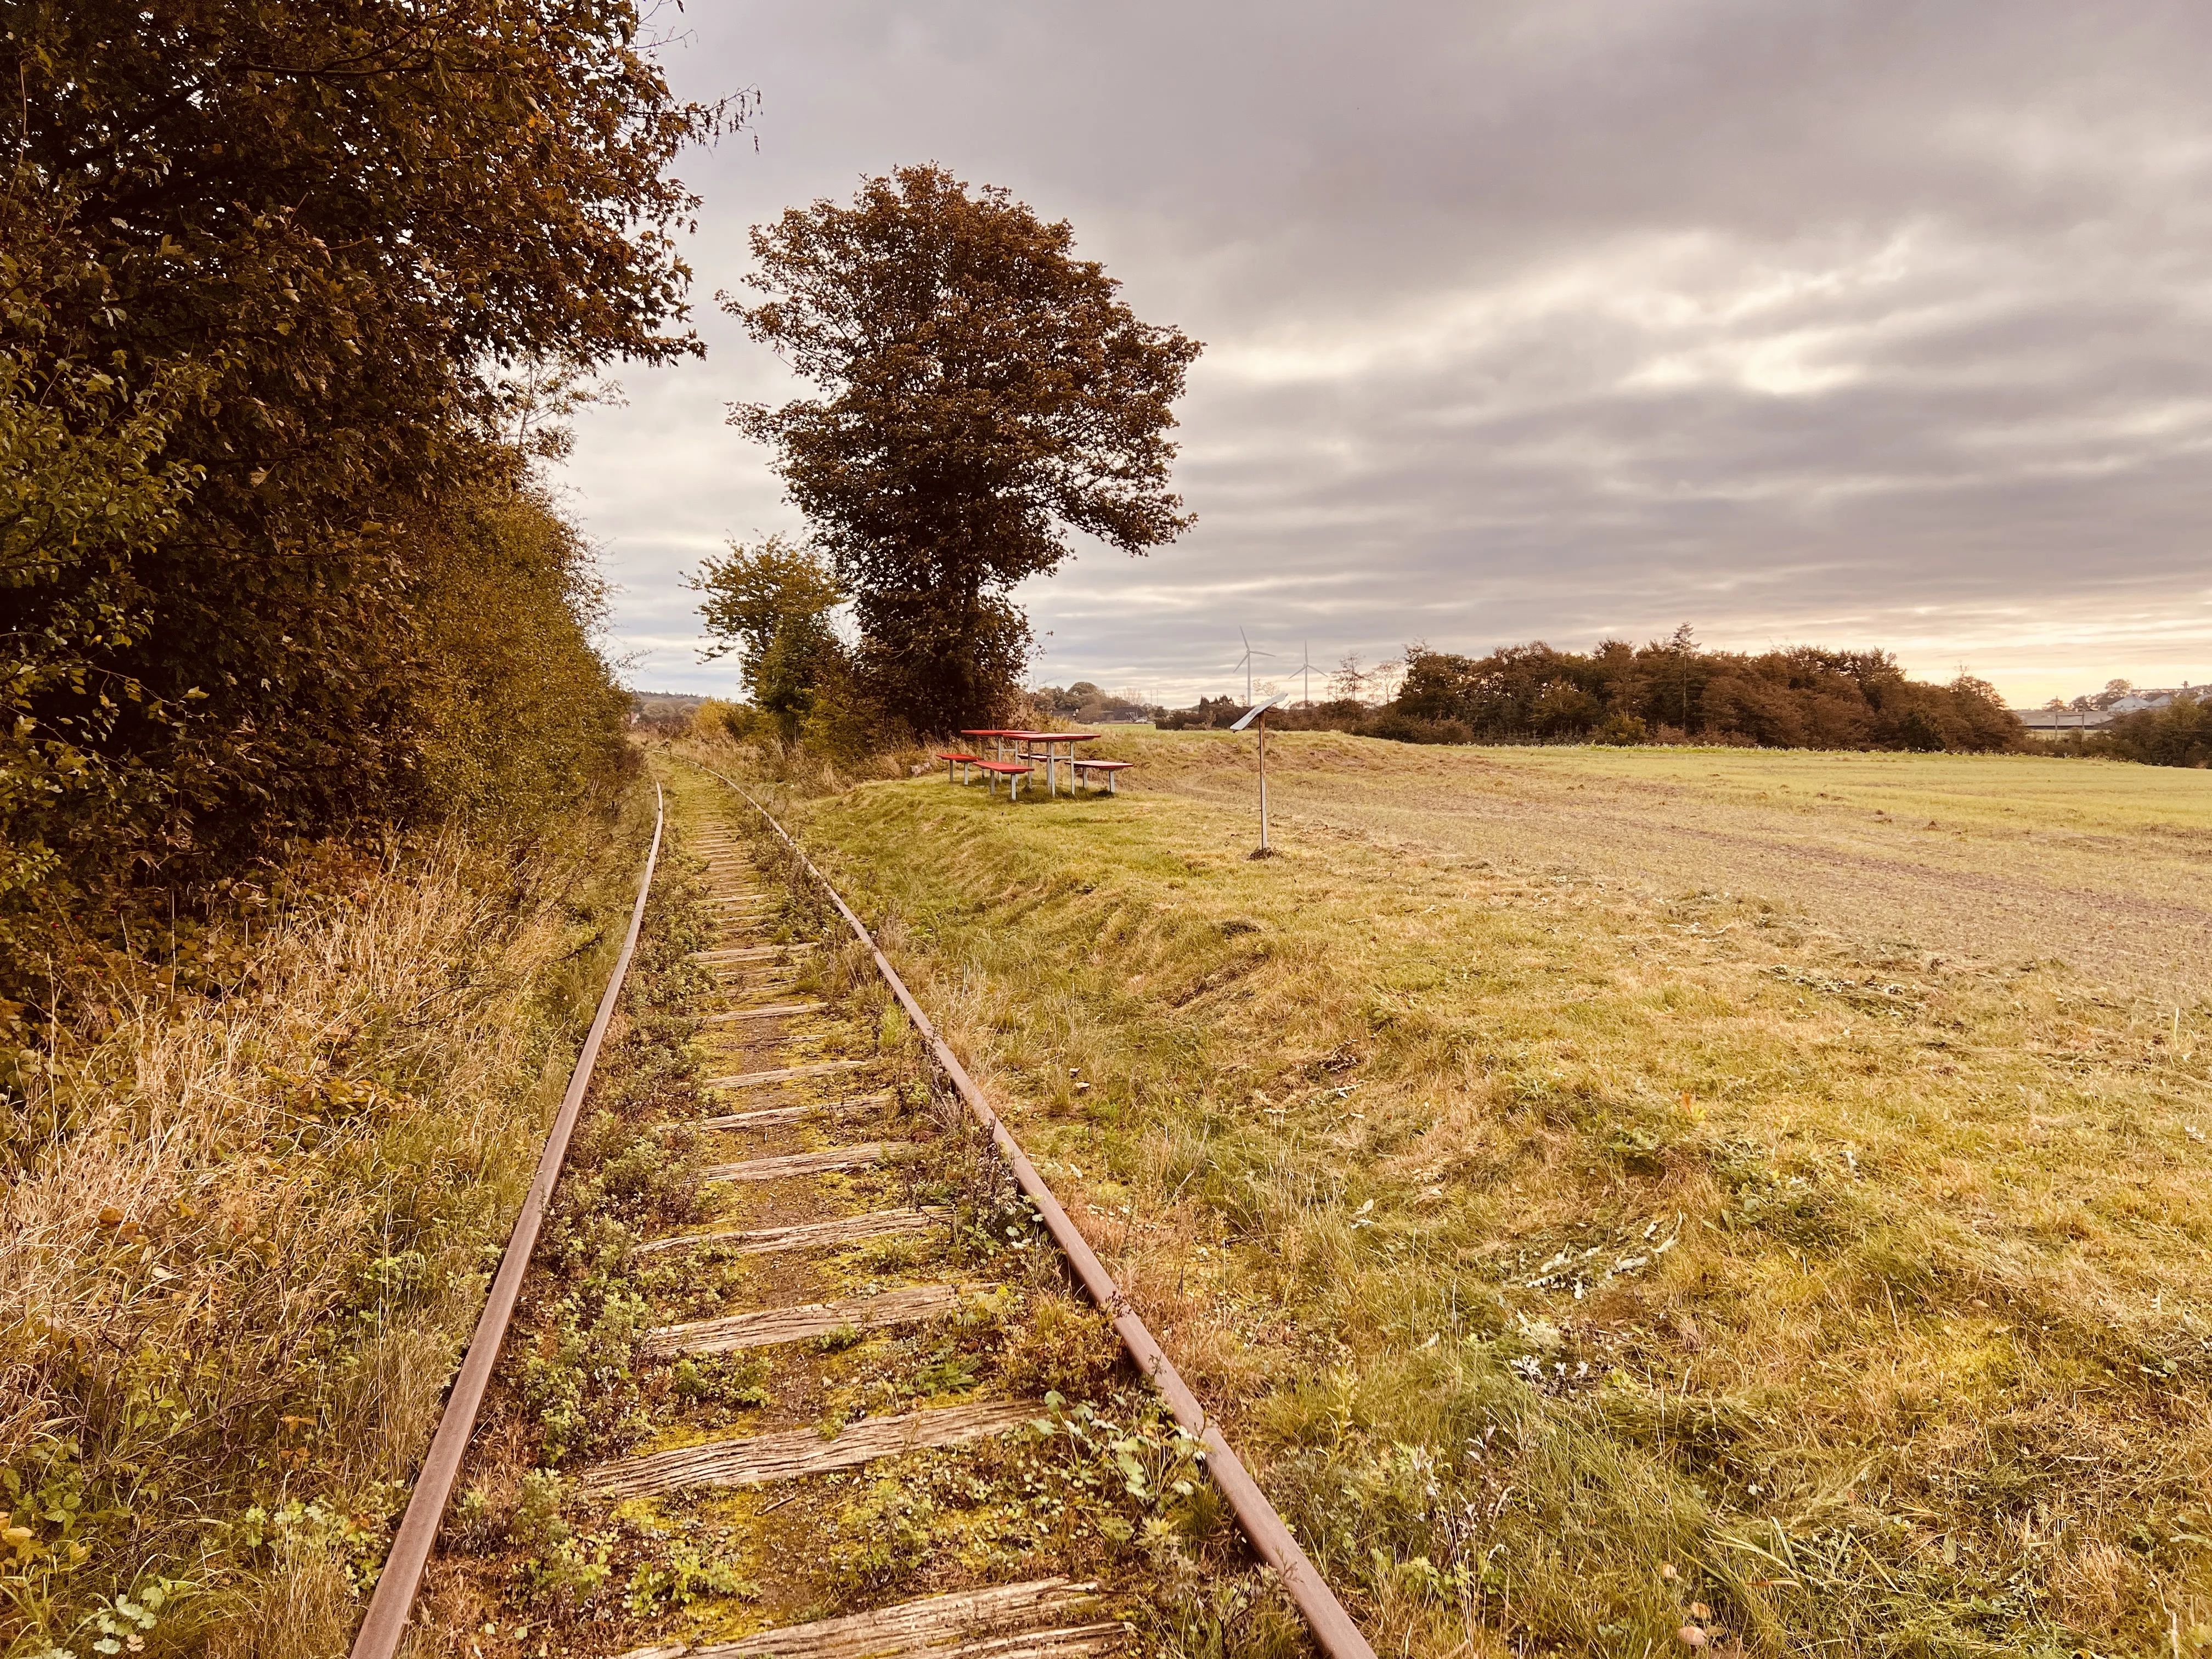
{"type": "Point", "coordinates": [1868, 323]}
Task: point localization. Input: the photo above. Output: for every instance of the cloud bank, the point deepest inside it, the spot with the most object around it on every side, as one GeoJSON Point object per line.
{"type": "Point", "coordinates": [1861, 323]}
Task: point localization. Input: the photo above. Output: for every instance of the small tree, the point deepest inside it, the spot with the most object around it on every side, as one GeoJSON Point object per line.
{"type": "Point", "coordinates": [771, 605]}
{"type": "Point", "coordinates": [986, 393]}
{"type": "Point", "coordinates": [1349, 683]}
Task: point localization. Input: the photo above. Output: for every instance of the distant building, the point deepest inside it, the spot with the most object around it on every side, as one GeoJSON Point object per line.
{"type": "Point", "coordinates": [2100, 710]}
{"type": "Point", "coordinates": [2057, 722]}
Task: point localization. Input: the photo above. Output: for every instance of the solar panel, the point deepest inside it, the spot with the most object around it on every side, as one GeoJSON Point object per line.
{"type": "Point", "coordinates": [1260, 708]}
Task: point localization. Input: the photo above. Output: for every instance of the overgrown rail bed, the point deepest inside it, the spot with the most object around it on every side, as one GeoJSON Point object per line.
{"type": "Point", "coordinates": [798, 1370]}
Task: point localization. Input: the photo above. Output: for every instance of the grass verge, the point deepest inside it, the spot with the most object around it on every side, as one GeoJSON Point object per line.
{"type": "Point", "coordinates": [1594, 1268]}
{"type": "Point", "coordinates": [246, 1236]}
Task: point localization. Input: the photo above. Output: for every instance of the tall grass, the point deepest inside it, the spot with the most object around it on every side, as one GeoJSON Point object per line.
{"type": "Point", "coordinates": [246, 1236]}
{"type": "Point", "coordinates": [1585, 1265]}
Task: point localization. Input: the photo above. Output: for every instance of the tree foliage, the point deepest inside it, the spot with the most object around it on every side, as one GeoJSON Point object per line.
{"type": "Point", "coordinates": [2178, 734]}
{"type": "Point", "coordinates": [772, 605]}
{"type": "Point", "coordinates": [986, 395]}
{"type": "Point", "coordinates": [290, 274]}
{"type": "Point", "coordinates": [1667, 690]}
{"type": "Point", "coordinates": [513, 706]}
{"type": "Point", "coordinates": [82, 494]}
{"type": "Point", "coordinates": [1801, 698]}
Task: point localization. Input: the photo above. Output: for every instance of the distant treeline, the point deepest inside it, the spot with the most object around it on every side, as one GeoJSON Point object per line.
{"type": "Point", "coordinates": [2179, 734]}
{"type": "Point", "coordinates": [1667, 691]}
{"type": "Point", "coordinates": [1086, 704]}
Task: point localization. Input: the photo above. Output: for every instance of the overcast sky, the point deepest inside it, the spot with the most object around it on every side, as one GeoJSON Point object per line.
{"type": "Point", "coordinates": [1853, 324]}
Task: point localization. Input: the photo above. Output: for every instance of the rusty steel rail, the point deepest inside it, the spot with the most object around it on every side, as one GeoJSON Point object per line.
{"type": "Point", "coordinates": [1332, 1626]}
{"type": "Point", "coordinates": [401, 1577]}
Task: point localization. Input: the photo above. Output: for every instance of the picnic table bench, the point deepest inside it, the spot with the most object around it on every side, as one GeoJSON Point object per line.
{"type": "Point", "coordinates": [1043, 748]}
{"type": "Point", "coordinates": [1012, 771]}
{"type": "Point", "coordinates": [1109, 767]}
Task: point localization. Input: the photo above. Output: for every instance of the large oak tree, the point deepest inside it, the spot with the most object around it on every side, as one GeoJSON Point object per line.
{"type": "Point", "coordinates": [986, 394]}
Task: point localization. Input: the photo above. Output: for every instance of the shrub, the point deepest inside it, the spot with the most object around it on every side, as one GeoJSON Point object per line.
{"type": "Point", "coordinates": [2179, 734]}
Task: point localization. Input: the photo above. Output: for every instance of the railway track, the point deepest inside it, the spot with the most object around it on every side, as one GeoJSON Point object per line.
{"type": "Point", "coordinates": [872, 1405]}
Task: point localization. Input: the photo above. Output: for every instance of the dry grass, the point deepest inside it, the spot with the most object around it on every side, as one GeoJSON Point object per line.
{"type": "Point", "coordinates": [1576, 1251]}
{"type": "Point", "coordinates": [237, 1278]}
{"type": "Point", "coordinates": [2000, 857]}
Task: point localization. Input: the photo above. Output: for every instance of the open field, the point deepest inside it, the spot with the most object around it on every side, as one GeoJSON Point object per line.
{"type": "Point", "coordinates": [2000, 857]}
{"type": "Point", "coordinates": [1618, 1192]}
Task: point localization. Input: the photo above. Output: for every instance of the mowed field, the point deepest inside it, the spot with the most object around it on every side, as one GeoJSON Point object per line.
{"type": "Point", "coordinates": [2105, 866]}
{"type": "Point", "coordinates": [1628, 1201]}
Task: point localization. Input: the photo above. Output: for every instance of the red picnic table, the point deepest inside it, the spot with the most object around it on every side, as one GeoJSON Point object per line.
{"type": "Point", "coordinates": [1049, 742]}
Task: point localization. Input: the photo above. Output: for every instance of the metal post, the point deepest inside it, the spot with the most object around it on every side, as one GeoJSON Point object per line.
{"type": "Point", "coordinates": [1263, 783]}
{"type": "Point", "coordinates": [1258, 716]}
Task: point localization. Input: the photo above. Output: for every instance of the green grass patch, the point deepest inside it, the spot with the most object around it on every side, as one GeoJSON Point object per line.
{"type": "Point", "coordinates": [1576, 1250]}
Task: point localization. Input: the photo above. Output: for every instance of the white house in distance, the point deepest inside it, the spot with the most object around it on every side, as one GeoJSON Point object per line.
{"type": "Point", "coordinates": [2087, 714]}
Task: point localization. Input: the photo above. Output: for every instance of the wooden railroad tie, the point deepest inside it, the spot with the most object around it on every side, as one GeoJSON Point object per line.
{"type": "Point", "coordinates": [768, 1116]}
{"type": "Point", "coordinates": [908, 1305]}
{"type": "Point", "coordinates": [748, 953]}
{"type": "Point", "coordinates": [811, 1234]}
{"type": "Point", "coordinates": [782, 1074]}
{"type": "Point", "coordinates": [762, 1458]}
{"type": "Point", "coordinates": [799, 1163]}
{"type": "Point", "coordinates": [772, 1011]}
{"type": "Point", "coordinates": [765, 1118]}
{"type": "Point", "coordinates": [999, 1623]}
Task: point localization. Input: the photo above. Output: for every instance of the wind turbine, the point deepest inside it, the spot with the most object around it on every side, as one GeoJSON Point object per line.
{"type": "Point", "coordinates": [1305, 668]}
{"type": "Point", "coordinates": [1245, 663]}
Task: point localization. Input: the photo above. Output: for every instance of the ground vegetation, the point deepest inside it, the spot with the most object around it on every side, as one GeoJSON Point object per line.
{"type": "Point", "coordinates": [1596, 1220]}
{"type": "Point", "coordinates": [249, 1233]}
{"type": "Point", "coordinates": [984, 395]}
